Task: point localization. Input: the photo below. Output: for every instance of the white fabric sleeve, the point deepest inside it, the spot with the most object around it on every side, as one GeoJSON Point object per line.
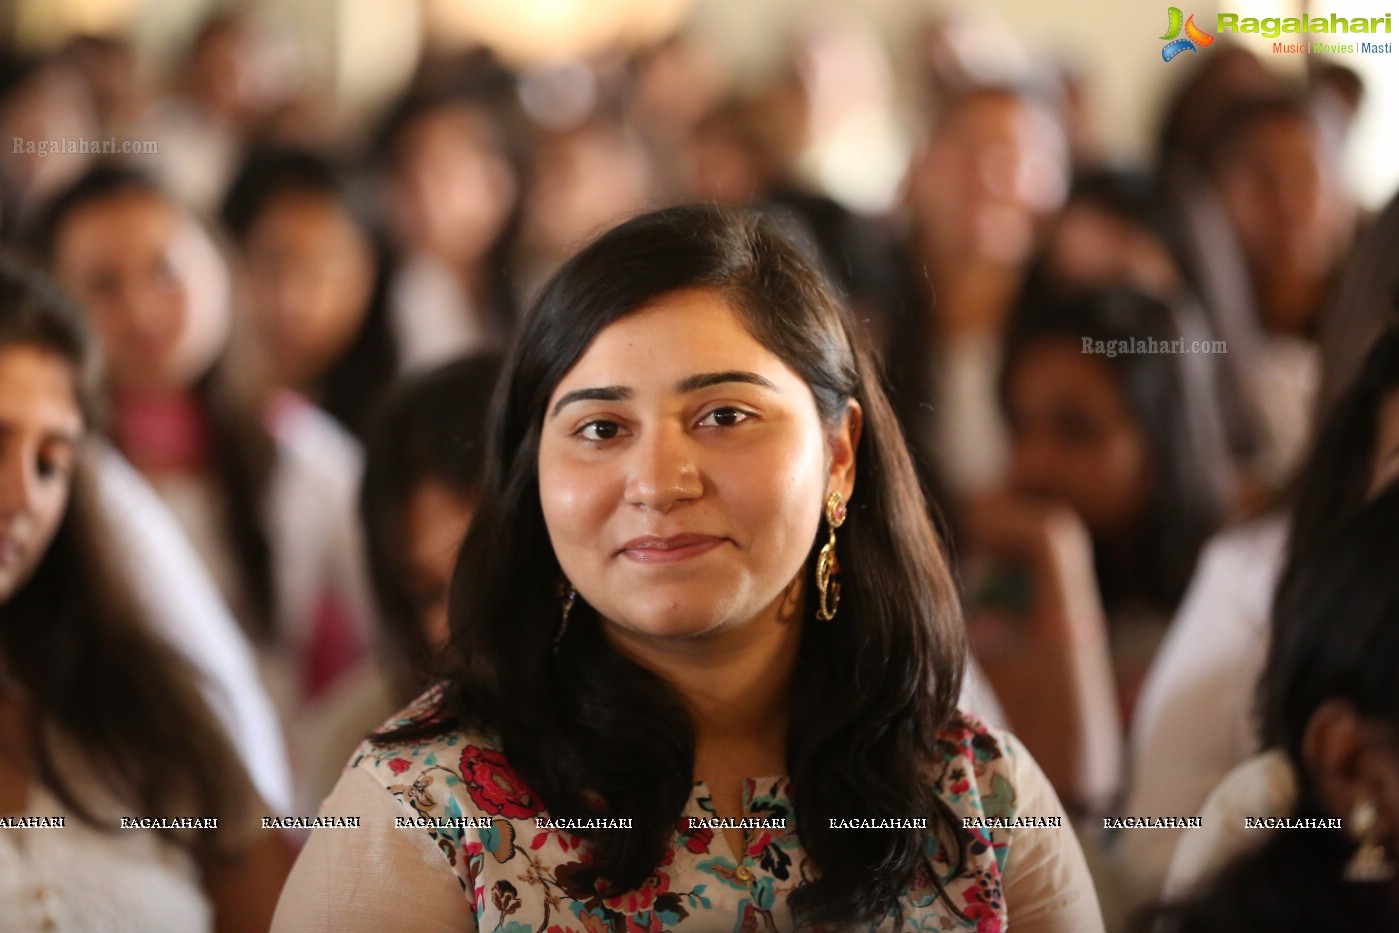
{"type": "Point", "coordinates": [1046, 881]}
{"type": "Point", "coordinates": [186, 610]}
{"type": "Point", "coordinates": [1195, 719]}
{"type": "Point", "coordinates": [374, 878]}
{"type": "Point", "coordinates": [979, 697]}
{"type": "Point", "coordinates": [1264, 786]}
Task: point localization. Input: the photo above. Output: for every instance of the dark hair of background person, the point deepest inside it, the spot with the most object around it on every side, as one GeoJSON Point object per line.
{"type": "Point", "coordinates": [243, 453]}
{"type": "Point", "coordinates": [1333, 483]}
{"type": "Point", "coordinates": [75, 640]}
{"type": "Point", "coordinates": [488, 90]}
{"type": "Point", "coordinates": [1193, 477]}
{"type": "Point", "coordinates": [1192, 113]}
{"type": "Point", "coordinates": [355, 381]}
{"type": "Point", "coordinates": [430, 428]}
{"type": "Point", "coordinates": [869, 694]}
{"type": "Point", "coordinates": [1335, 637]}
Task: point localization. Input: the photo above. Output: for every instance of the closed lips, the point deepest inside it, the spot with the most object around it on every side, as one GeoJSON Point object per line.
{"type": "Point", "coordinates": [650, 549]}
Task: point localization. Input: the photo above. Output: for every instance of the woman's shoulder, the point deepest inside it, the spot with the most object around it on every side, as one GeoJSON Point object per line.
{"type": "Point", "coordinates": [443, 772]}
{"type": "Point", "coordinates": [983, 773]}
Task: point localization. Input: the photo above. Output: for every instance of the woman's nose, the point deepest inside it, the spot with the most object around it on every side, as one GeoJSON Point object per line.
{"type": "Point", "coordinates": [663, 470]}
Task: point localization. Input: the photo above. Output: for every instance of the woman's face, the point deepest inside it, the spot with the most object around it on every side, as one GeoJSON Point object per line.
{"type": "Point", "coordinates": [682, 471]}
{"type": "Point", "coordinates": [310, 277]}
{"type": "Point", "coordinates": [453, 188]}
{"type": "Point", "coordinates": [153, 285]}
{"type": "Point", "coordinates": [41, 426]}
{"type": "Point", "coordinates": [1074, 438]}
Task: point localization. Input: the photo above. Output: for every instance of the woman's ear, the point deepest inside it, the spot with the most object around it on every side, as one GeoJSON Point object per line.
{"type": "Point", "coordinates": [1350, 761]}
{"type": "Point", "coordinates": [843, 443]}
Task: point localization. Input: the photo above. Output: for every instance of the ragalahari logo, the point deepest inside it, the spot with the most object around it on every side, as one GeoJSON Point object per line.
{"type": "Point", "coordinates": [1193, 40]}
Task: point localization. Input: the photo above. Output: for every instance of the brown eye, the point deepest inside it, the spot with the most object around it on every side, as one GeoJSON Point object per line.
{"type": "Point", "coordinates": [725, 418]}
{"type": "Point", "coordinates": [599, 430]}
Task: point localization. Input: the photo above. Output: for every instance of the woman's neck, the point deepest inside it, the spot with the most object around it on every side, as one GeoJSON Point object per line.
{"type": "Point", "coordinates": [735, 681]}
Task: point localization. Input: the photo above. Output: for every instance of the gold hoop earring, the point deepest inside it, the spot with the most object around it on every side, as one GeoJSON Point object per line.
{"type": "Point", "coordinates": [569, 596]}
{"type": "Point", "coordinates": [827, 587]}
{"type": "Point", "coordinates": [1370, 862]}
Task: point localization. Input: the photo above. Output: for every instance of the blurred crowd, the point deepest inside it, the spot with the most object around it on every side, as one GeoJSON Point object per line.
{"type": "Point", "coordinates": [299, 331]}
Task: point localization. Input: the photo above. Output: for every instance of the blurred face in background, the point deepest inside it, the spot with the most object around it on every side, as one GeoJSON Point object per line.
{"type": "Point", "coordinates": [1074, 438]}
{"type": "Point", "coordinates": [1282, 187]}
{"type": "Point", "coordinates": [310, 275]}
{"type": "Point", "coordinates": [41, 426]}
{"type": "Point", "coordinates": [435, 521]}
{"type": "Point", "coordinates": [452, 189]}
{"type": "Point", "coordinates": [995, 166]}
{"type": "Point", "coordinates": [153, 284]}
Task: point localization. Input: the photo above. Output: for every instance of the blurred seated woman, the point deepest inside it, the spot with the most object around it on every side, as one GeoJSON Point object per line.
{"type": "Point", "coordinates": [264, 485]}
{"type": "Point", "coordinates": [422, 482]}
{"type": "Point", "coordinates": [1331, 705]}
{"type": "Point", "coordinates": [1119, 473]}
{"type": "Point", "coordinates": [317, 275]}
{"type": "Point", "coordinates": [700, 594]}
{"type": "Point", "coordinates": [99, 719]}
{"type": "Point", "coordinates": [1200, 714]}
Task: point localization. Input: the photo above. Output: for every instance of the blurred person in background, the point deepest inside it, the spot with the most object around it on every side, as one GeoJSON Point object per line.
{"type": "Point", "coordinates": [316, 272]}
{"type": "Point", "coordinates": [1330, 708]}
{"type": "Point", "coordinates": [1118, 475]}
{"type": "Point", "coordinates": [582, 180]}
{"type": "Point", "coordinates": [230, 91]}
{"type": "Point", "coordinates": [264, 486]}
{"type": "Point", "coordinates": [1270, 224]}
{"type": "Point", "coordinates": [731, 161]}
{"type": "Point", "coordinates": [1117, 230]}
{"type": "Point", "coordinates": [1197, 717]}
{"type": "Point", "coordinates": [980, 190]}
{"type": "Point", "coordinates": [99, 717]}
{"type": "Point", "coordinates": [423, 474]}
{"type": "Point", "coordinates": [43, 102]}
{"type": "Point", "coordinates": [453, 190]}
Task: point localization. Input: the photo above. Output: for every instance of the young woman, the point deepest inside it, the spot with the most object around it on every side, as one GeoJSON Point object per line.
{"type": "Point", "coordinates": [99, 719]}
{"type": "Point", "coordinates": [1119, 472]}
{"type": "Point", "coordinates": [700, 614]}
{"type": "Point", "coordinates": [263, 485]}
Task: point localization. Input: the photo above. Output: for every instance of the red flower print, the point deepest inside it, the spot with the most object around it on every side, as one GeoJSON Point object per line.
{"type": "Point", "coordinates": [493, 786]}
{"type": "Point", "coordinates": [698, 840]}
{"type": "Point", "coordinates": [399, 765]}
{"type": "Point", "coordinates": [643, 897]}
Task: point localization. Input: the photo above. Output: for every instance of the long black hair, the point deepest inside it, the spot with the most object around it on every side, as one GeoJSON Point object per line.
{"type": "Point", "coordinates": [868, 694]}
{"type": "Point", "coordinates": [243, 452]}
{"type": "Point", "coordinates": [1170, 396]}
{"type": "Point", "coordinates": [75, 638]}
{"type": "Point", "coordinates": [1334, 481]}
{"type": "Point", "coordinates": [356, 379]}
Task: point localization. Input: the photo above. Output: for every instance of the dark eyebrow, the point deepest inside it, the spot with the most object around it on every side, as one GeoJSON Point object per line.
{"type": "Point", "coordinates": [600, 394]}
{"type": "Point", "coordinates": [705, 380]}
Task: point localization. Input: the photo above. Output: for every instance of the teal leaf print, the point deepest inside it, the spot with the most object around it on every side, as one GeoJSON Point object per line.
{"type": "Point", "coordinates": [764, 894]}
{"type": "Point", "coordinates": [1000, 803]}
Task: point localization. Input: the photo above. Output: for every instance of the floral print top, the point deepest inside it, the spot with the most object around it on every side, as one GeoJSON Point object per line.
{"type": "Point", "coordinates": [518, 874]}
